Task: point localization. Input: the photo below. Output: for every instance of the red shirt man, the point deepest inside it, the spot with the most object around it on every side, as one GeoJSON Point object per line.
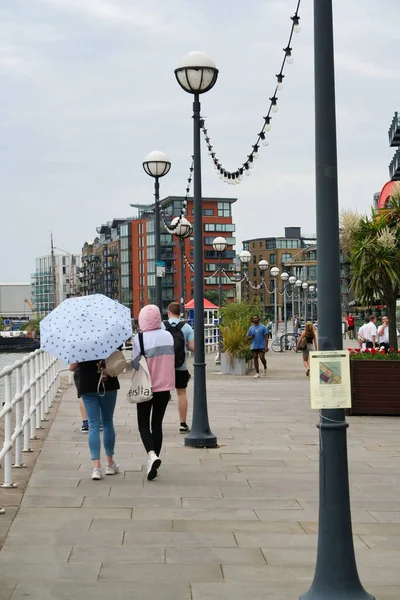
{"type": "Point", "coordinates": [350, 325]}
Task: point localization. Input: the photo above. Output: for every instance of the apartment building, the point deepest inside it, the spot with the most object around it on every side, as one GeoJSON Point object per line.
{"type": "Point", "coordinates": [56, 278]}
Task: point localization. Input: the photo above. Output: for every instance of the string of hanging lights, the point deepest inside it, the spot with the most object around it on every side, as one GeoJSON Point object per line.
{"type": "Point", "coordinates": [234, 177]}
{"type": "Point", "coordinates": [172, 227]}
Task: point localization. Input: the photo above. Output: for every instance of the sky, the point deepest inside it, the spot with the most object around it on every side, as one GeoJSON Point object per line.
{"type": "Point", "coordinates": [88, 89]}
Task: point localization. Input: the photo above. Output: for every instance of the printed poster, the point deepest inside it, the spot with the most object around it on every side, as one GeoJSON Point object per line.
{"type": "Point", "coordinates": [330, 379]}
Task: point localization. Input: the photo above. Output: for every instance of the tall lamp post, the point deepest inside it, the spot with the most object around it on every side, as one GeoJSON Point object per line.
{"type": "Point", "coordinates": [197, 74]}
{"type": "Point", "coordinates": [284, 277]}
{"type": "Point", "coordinates": [181, 227]}
{"type": "Point", "coordinates": [304, 285]}
{"type": "Point", "coordinates": [298, 284]}
{"type": "Point", "coordinates": [157, 164]}
{"type": "Point", "coordinates": [263, 266]}
{"type": "Point", "coordinates": [311, 289]}
{"type": "Point", "coordinates": [292, 281]}
{"type": "Point", "coordinates": [274, 273]}
{"type": "Point", "coordinates": [245, 258]}
{"type": "Point", "coordinates": [220, 245]}
{"type": "Point", "coordinates": [336, 573]}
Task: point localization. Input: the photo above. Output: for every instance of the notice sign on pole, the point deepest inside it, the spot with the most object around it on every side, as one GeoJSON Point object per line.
{"type": "Point", "coordinates": [160, 268]}
{"type": "Point", "coordinates": [330, 379]}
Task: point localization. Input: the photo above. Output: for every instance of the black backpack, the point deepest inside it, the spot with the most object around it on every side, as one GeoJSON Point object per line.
{"type": "Point", "coordinates": [179, 341]}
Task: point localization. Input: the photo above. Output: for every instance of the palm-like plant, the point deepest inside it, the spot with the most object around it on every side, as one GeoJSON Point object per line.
{"type": "Point", "coordinates": [374, 252]}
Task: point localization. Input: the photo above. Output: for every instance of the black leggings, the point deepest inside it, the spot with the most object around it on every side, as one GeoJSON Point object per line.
{"type": "Point", "coordinates": [156, 407]}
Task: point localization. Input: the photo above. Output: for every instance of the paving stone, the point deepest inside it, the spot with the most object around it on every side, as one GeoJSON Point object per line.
{"type": "Point", "coordinates": [35, 554]}
{"type": "Point", "coordinates": [50, 571]}
{"type": "Point", "coordinates": [220, 556]}
{"type": "Point", "coordinates": [101, 591]}
{"type": "Point", "coordinates": [253, 503]}
{"type": "Point", "coordinates": [180, 539]}
{"type": "Point", "coordinates": [227, 525]}
{"type": "Point", "coordinates": [118, 554]}
{"type": "Point", "coordinates": [53, 501]}
{"type": "Point", "coordinates": [226, 591]}
{"type": "Point", "coordinates": [104, 525]}
{"type": "Point", "coordinates": [163, 573]}
{"type": "Point", "coordinates": [134, 502]}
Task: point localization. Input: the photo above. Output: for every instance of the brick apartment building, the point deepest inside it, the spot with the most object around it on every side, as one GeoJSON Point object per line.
{"type": "Point", "coordinates": [217, 221]}
{"type": "Point", "coordinates": [120, 263]}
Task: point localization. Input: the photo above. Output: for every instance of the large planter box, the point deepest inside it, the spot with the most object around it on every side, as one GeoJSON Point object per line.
{"type": "Point", "coordinates": [375, 387]}
{"type": "Point", "coordinates": [235, 366]}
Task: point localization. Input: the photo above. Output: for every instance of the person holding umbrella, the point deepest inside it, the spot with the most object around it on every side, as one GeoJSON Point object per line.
{"type": "Point", "coordinates": [85, 331]}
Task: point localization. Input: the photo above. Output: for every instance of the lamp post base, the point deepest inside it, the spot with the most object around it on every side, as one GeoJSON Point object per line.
{"type": "Point", "coordinates": [330, 593]}
{"type": "Point", "coordinates": [201, 439]}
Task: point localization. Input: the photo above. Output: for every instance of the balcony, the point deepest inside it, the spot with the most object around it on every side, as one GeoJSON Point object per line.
{"type": "Point", "coordinates": [394, 167]}
{"type": "Point", "coordinates": [394, 131]}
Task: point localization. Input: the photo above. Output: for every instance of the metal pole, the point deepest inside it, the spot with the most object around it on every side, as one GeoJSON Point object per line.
{"type": "Point", "coordinates": [336, 571]}
{"type": "Point", "coordinates": [299, 303]}
{"type": "Point", "coordinates": [263, 296]}
{"type": "Point", "coordinates": [276, 307]}
{"type": "Point", "coordinates": [284, 306]}
{"type": "Point", "coordinates": [220, 284]}
{"type": "Point", "coordinates": [293, 308]}
{"type": "Point", "coordinates": [200, 435]}
{"type": "Point", "coordinates": [157, 231]}
{"type": "Point", "coordinates": [182, 275]}
{"type": "Point", "coordinates": [305, 305]}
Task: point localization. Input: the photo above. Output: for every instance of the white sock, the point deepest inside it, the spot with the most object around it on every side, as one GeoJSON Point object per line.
{"type": "Point", "coordinates": [152, 454]}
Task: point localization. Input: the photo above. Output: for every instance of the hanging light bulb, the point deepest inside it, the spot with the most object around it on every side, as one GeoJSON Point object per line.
{"type": "Point", "coordinates": [275, 108]}
{"type": "Point", "coordinates": [296, 23]}
{"type": "Point", "coordinates": [267, 123]}
{"type": "Point", "coordinates": [279, 78]}
{"type": "Point", "coordinates": [255, 151]}
{"type": "Point", "coordinates": [288, 53]}
{"type": "Point", "coordinates": [248, 172]}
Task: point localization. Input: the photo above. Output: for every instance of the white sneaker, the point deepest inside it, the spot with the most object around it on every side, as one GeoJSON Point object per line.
{"type": "Point", "coordinates": [257, 376]}
{"type": "Point", "coordinates": [265, 371]}
{"type": "Point", "coordinates": [97, 474]}
{"type": "Point", "coordinates": [152, 465]}
{"type": "Point", "coordinates": [112, 469]}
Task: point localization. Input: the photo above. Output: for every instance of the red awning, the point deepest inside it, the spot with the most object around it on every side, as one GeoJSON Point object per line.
{"type": "Point", "coordinates": [207, 305]}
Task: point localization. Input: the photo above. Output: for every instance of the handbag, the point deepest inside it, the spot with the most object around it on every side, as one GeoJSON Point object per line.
{"type": "Point", "coordinates": [115, 364]}
{"type": "Point", "coordinates": [140, 389]}
{"type": "Point", "coordinates": [303, 344]}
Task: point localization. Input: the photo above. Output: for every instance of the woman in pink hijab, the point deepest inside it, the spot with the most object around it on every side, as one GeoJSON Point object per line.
{"type": "Point", "coordinates": [159, 352]}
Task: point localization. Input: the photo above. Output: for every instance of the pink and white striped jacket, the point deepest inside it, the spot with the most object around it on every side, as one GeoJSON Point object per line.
{"type": "Point", "coordinates": [159, 349]}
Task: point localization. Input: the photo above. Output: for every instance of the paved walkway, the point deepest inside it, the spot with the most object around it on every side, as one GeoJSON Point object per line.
{"type": "Point", "coordinates": [233, 523]}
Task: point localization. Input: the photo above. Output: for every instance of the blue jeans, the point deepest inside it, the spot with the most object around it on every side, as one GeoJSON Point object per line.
{"type": "Point", "coordinates": [100, 408]}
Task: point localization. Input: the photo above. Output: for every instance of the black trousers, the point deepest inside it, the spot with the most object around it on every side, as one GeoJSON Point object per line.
{"type": "Point", "coordinates": [150, 416]}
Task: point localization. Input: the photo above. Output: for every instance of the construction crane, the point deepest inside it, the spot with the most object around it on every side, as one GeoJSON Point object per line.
{"type": "Point", "coordinates": [29, 303]}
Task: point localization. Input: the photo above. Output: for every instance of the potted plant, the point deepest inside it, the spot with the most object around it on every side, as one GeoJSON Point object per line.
{"type": "Point", "coordinates": [236, 358]}
{"type": "Point", "coordinates": [375, 382]}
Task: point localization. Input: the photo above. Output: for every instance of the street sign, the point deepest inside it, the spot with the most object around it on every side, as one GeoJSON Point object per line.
{"type": "Point", "coordinates": [160, 268]}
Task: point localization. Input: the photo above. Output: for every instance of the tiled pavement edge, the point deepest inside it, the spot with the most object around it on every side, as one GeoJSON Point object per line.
{"type": "Point", "coordinates": [232, 523]}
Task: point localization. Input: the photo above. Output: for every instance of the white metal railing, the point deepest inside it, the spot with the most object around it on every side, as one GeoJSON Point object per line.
{"type": "Point", "coordinates": [30, 387]}
{"type": "Point", "coordinates": [211, 338]}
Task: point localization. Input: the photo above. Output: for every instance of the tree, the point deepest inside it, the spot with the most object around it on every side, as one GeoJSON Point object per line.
{"type": "Point", "coordinates": [1, 324]}
{"type": "Point", "coordinates": [32, 325]}
{"type": "Point", "coordinates": [373, 247]}
{"type": "Point", "coordinates": [213, 296]}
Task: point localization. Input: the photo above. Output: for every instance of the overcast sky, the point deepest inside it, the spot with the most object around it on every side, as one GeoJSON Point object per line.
{"type": "Point", "coordinates": [88, 89]}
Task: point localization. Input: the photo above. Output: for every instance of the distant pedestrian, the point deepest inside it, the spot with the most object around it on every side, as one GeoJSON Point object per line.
{"type": "Point", "coordinates": [258, 334]}
{"type": "Point", "coordinates": [350, 326]}
{"type": "Point", "coordinates": [270, 327]}
{"type": "Point", "coordinates": [159, 352]}
{"type": "Point", "coordinates": [99, 409]}
{"type": "Point", "coordinates": [306, 343]}
{"type": "Point", "coordinates": [362, 341]}
{"type": "Point", "coordinates": [183, 335]}
{"type": "Point", "coordinates": [383, 333]}
{"type": "Point", "coordinates": [370, 333]}
{"type": "Point", "coordinates": [296, 324]}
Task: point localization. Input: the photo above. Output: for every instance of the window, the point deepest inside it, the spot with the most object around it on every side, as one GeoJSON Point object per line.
{"type": "Point", "coordinates": [207, 212]}
{"type": "Point", "coordinates": [286, 256]}
{"type": "Point", "coordinates": [312, 273]}
{"type": "Point", "coordinates": [124, 243]}
{"type": "Point", "coordinates": [124, 269]}
{"type": "Point", "coordinates": [124, 231]}
{"type": "Point", "coordinates": [125, 281]}
{"type": "Point", "coordinates": [254, 244]}
{"type": "Point", "coordinates": [313, 255]}
{"type": "Point", "coordinates": [208, 240]}
{"type": "Point", "coordinates": [229, 227]}
{"type": "Point", "coordinates": [141, 281]}
{"type": "Point", "coordinates": [271, 298]}
{"type": "Point", "coordinates": [270, 244]}
{"type": "Point", "coordinates": [261, 244]}
{"type": "Point", "coordinates": [254, 259]}
{"type": "Point", "coordinates": [125, 256]}
{"type": "Point", "coordinates": [255, 272]}
{"type": "Point", "coordinates": [151, 280]}
{"type": "Point", "coordinates": [272, 259]}
{"type": "Point", "coordinates": [141, 294]}
{"type": "Point", "coordinates": [141, 268]}
{"type": "Point", "coordinates": [150, 226]}
{"type": "Point", "coordinates": [224, 209]}
{"type": "Point", "coordinates": [140, 231]}
{"type": "Point", "coordinates": [150, 240]}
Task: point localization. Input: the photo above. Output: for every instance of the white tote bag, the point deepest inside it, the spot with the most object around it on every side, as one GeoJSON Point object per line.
{"type": "Point", "coordinates": [140, 389]}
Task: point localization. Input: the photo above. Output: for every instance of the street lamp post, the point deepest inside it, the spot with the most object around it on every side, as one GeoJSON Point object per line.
{"type": "Point", "coordinates": [263, 266]}
{"type": "Point", "coordinates": [274, 274]}
{"type": "Point", "coordinates": [284, 277]}
{"type": "Point", "coordinates": [298, 284]}
{"type": "Point", "coordinates": [304, 285]}
{"type": "Point", "coordinates": [245, 258]}
{"type": "Point", "coordinates": [181, 227]}
{"type": "Point", "coordinates": [157, 164]}
{"type": "Point", "coordinates": [311, 289]}
{"type": "Point", "coordinates": [292, 281]}
{"type": "Point", "coordinates": [336, 573]}
{"type": "Point", "coordinates": [197, 74]}
{"type": "Point", "coordinates": [220, 245]}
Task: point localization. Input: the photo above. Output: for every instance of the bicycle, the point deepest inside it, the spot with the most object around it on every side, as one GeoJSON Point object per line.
{"type": "Point", "coordinates": [286, 342]}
